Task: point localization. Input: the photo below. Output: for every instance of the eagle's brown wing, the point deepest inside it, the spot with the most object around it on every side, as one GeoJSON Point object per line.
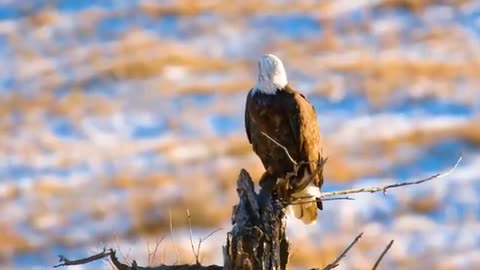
{"type": "Point", "coordinates": [305, 131]}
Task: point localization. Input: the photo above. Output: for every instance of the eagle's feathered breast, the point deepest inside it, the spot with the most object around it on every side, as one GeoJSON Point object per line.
{"type": "Point", "coordinates": [289, 119]}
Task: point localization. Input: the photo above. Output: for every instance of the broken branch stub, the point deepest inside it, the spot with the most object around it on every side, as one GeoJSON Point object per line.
{"type": "Point", "coordinates": [257, 239]}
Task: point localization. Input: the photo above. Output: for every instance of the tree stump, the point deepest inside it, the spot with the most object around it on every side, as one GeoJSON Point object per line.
{"type": "Point", "coordinates": [257, 239]}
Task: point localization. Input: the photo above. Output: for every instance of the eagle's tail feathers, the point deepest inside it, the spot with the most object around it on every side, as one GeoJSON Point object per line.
{"type": "Point", "coordinates": [306, 208]}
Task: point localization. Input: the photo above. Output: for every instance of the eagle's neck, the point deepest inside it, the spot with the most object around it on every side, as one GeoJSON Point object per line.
{"type": "Point", "coordinates": [268, 88]}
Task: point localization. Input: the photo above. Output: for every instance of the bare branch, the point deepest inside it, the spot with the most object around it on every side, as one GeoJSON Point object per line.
{"type": "Point", "coordinates": [296, 201]}
{"type": "Point", "coordinates": [149, 254]}
{"type": "Point", "coordinates": [336, 262]}
{"type": "Point", "coordinates": [173, 236]}
{"type": "Point", "coordinates": [304, 182]}
{"type": "Point", "coordinates": [383, 254]}
{"type": "Point", "coordinates": [121, 266]}
{"type": "Point", "coordinates": [64, 261]}
{"type": "Point", "coordinates": [211, 233]}
{"type": "Point", "coordinates": [191, 240]}
{"type": "Point", "coordinates": [326, 199]}
{"type": "Point", "coordinates": [339, 199]}
{"type": "Point", "coordinates": [200, 241]}
{"type": "Point", "coordinates": [281, 146]}
{"type": "Point", "coordinates": [115, 237]}
{"type": "Point", "coordinates": [396, 185]}
{"type": "Point", "coordinates": [154, 252]}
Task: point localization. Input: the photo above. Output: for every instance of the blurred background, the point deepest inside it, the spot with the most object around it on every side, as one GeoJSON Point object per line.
{"type": "Point", "coordinates": [118, 116]}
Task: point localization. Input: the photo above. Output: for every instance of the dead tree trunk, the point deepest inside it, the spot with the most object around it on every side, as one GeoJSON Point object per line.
{"type": "Point", "coordinates": [257, 239]}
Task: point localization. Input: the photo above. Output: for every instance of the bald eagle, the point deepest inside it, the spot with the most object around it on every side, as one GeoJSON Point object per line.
{"type": "Point", "coordinates": [275, 108]}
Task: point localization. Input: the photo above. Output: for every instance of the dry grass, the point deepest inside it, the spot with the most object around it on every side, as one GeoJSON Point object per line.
{"type": "Point", "coordinates": [43, 18]}
{"type": "Point", "coordinates": [194, 7]}
{"type": "Point", "coordinates": [308, 255]}
{"type": "Point", "coordinates": [419, 5]}
{"type": "Point", "coordinates": [11, 241]}
{"type": "Point", "coordinates": [425, 204]}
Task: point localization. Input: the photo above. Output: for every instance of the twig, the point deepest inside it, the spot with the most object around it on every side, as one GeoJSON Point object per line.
{"type": "Point", "coordinates": [119, 265]}
{"type": "Point", "coordinates": [297, 201]}
{"type": "Point", "coordinates": [153, 254]}
{"type": "Point", "coordinates": [383, 254]}
{"type": "Point", "coordinates": [336, 262]}
{"type": "Point", "coordinates": [384, 188]}
{"type": "Point", "coordinates": [328, 199]}
{"type": "Point", "coordinates": [109, 264]}
{"type": "Point", "coordinates": [191, 240]}
{"type": "Point", "coordinates": [281, 146]}
{"type": "Point", "coordinates": [173, 236]}
{"type": "Point", "coordinates": [304, 182]}
{"type": "Point", "coordinates": [149, 254]}
{"type": "Point", "coordinates": [339, 198]}
{"type": "Point", "coordinates": [64, 261]}
{"type": "Point", "coordinates": [125, 258]}
{"type": "Point", "coordinates": [200, 241]}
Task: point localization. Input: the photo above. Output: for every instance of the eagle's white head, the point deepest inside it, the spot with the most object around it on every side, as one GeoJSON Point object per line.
{"type": "Point", "coordinates": [271, 74]}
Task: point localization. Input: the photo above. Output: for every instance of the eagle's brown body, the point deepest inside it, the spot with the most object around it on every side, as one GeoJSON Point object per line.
{"type": "Point", "coordinates": [289, 119]}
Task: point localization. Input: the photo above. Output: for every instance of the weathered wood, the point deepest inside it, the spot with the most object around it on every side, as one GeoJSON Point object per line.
{"type": "Point", "coordinates": [257, 239]}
